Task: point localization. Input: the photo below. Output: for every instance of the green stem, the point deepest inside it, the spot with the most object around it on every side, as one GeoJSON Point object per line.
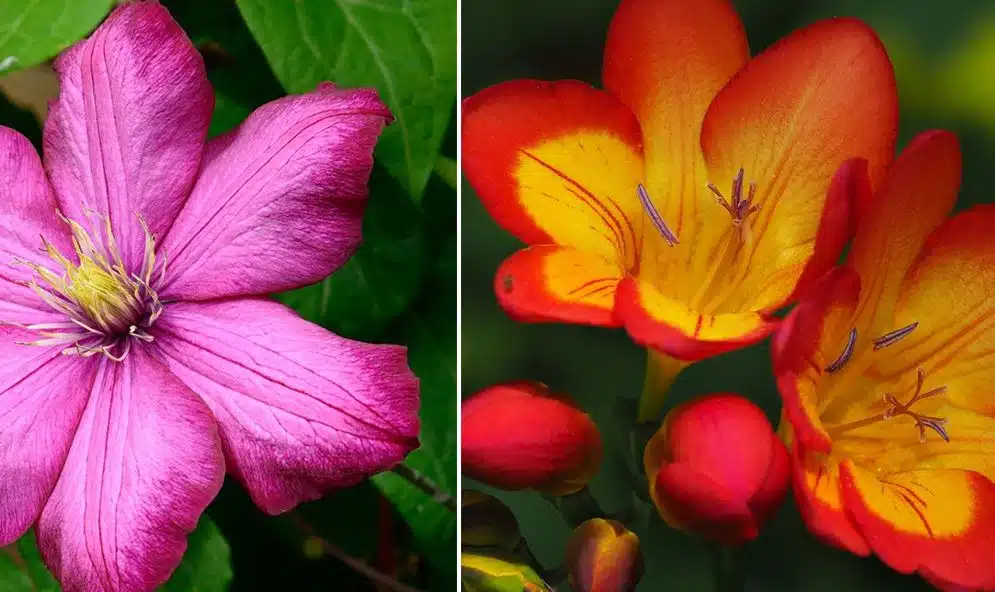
{"type": "Point", "coordinates": [661, 372]}
{"type": "Point", "coordinates": [445, 169]}
{"type": "Point", "coordinates": [553, 576]}
{"type": "Point", "coordinates": [324, 547]}
{"type": "Point", "coordinates": [577, 508]}
{"type": "Point", "coordinates": [727, 568]}
{"type": "Point", "coordinates": [426, 485]}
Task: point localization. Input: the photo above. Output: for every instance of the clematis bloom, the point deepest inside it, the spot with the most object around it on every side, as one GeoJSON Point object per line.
{"type": "Point", "coordinates": [129, 386]}
{"type": "Point", "coordinates": [886, 374]}
{"type": "Point", "coordinates": [698, 192]}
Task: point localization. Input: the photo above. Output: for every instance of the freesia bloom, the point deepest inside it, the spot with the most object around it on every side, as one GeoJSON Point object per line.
{"type": "Point", "coordinates": [887, 373]}
{"type": "Point", "coordinates": [520, 435]}
{"type": "Point", "coordinates": [717, 469]}
{"type": "Point", "coordinates": [129, 386]}
{"type": "Point", "coordinates": [603, 556]}
{"type": "Point", "coordinates": [694, 196]}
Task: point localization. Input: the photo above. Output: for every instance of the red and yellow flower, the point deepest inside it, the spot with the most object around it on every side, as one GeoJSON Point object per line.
{"type": "Point", "coordinates": [887, 376]}
{"type": "Point", "coordinates": [695, 195]}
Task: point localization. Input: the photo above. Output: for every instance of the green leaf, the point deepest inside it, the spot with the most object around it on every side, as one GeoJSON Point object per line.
{"type": "Point", "coordinates": [429, 331]}
{"type": "Point", "coordinates": [32, 31]}
{"type": "Point", "coordinates": [205, 566]}
{"type": "Point", "coordinates": [380, 281]}
{"type": "Point", "coordinates": [21, 568]}
{"type": "Point", "coordinates": [236, 66]}
{"type": "Point", "coordinates": [406, 49]}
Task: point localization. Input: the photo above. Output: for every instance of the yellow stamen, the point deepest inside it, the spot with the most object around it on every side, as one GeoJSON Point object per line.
{"type": "Point", "coordinates": [105, 306]}
{"type": "Point", "coordinates": [109, 302]}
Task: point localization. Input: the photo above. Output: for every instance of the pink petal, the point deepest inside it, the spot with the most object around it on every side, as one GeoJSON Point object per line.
{"type": "Point", "coordinates": [128, 129]}
{"type": "Point", "coordinates": [301, 410]}
{"type": "Point", "coordinates": [279, 202]}
{"type": "Point", "coordinates": [144, 464]}
{"type": "Point", "coordinates": [27, 212]}
{"type": "Point", "coordinates": [42, 395]}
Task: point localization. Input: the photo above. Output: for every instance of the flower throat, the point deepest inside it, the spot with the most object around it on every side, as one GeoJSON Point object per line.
{"type": "Point", "coordinates": [106, 308]}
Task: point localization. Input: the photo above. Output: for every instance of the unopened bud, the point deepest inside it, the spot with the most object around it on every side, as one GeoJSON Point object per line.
{"type": "Point", "coordinates": [522, 436]}
{"type": "Point", "coordinates": [603, 556]}
{"type": "Point", "coordinates": [717, 469]}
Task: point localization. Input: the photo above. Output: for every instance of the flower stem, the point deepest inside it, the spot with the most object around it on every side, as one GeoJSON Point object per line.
{"type": "Point", "coordinates": [445, 169]}
{"type": "Point", "coordinates": [727, 569]}
{"type": "Point", "coordinates": [426, 485]}
{"type": "Point", "coordinates": [661, 371]}
{"type": "Point", "coordinates": [577, 508]}
{"type": "Point", "coordinates": [323, 547]}
{"type": "Point", "coordinates": [553, 576]}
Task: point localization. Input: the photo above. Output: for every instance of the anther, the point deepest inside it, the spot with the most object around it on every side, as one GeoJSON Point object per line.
{"type": "Point", "coordinates": [844, 357]}
{"type": "Point", "coordinates": [894, 336]}
{"type": "Point", "coordinates": [654, 214]}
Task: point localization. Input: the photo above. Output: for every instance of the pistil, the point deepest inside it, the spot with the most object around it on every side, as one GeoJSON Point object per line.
{"type": "Point", "coordinates": [897, 408]}
{"type": "Point", "coordinates": [739, 208]}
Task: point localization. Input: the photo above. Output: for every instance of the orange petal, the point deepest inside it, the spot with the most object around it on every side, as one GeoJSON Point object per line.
{"type": "Point", "coordinates": [934, 521]}
{"type": "Point", "coordinates": [551, 283]}
{"type": "Point", "coordinates": [790, 119]}
{"type": "Point", "coordinates": [918, 194]}
{"type": "Point", "coordinates": [666, 60]}
{"type": "Point", "coordinates": [817, 494]}
{"type": "Point", "coordinates": [556, 162]}
{"type": "Point", "coordinates": [850, 187]}
{"type": "Point", "coordinates": [948, 292]}
{"type": "Point", "coordinates": [665, 324]}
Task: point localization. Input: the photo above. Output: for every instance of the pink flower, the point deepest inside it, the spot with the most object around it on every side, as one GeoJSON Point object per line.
{"type": "Point", "coordinates": [129, 385]}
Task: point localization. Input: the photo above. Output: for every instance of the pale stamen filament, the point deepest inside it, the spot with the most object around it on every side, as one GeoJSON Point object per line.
{"type": "Point", "coordinates": [105, 306]}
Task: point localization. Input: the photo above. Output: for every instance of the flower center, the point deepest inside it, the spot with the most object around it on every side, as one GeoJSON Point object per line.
{"type": "Point", "coordinates": [105, 297]}
{"type": "Point", "coordinates": [106, 308]}
{"type": "Point", "coordinates": [895, 406]}
{"type": "Point", "coordinates": [740, 208]}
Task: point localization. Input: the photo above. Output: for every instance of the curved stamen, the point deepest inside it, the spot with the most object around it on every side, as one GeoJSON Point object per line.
{"type": "Point", "coordinates": [894, 336]}
{"type": "Point", "coordinates": [847, 353]}
{"type": "Point", "coordinates": [654, 215]}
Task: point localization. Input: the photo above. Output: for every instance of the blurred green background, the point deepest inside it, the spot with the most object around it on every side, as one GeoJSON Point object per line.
{"type": "Point", "coordinates": [944, 55]}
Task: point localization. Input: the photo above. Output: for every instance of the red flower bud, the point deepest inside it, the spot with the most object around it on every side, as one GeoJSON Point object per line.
{"type": "Point", "coordinates": [521, 436]}
{"type": "Point", "coordinates": [604, 557]}
{"type": "Point", "coordinates": [717, 469]}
